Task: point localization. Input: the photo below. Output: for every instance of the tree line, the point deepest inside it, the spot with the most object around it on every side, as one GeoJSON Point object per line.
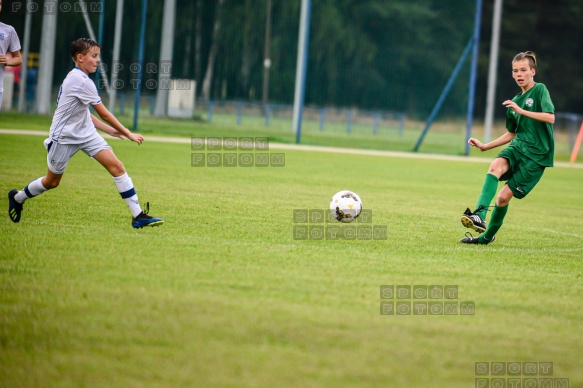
{"type": "Point", "coordinates": [392, 55]}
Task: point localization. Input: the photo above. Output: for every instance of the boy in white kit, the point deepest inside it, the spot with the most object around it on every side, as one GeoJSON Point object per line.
{"type": "Point", "coordinates": [74, 128]}
{"type": "Point", "coordinates": [9, 43]}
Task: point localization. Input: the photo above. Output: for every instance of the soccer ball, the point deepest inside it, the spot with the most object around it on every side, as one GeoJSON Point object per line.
{"type": "Point", "coordinates": [345, 206]}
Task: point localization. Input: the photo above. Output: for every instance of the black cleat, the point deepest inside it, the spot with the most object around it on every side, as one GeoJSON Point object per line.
{"type": "Point", "coordinates": [469, 239]}
{"type": "Point", "coordinates": [143, 219]}
{"type": "Point", "coordinates": [14, 208]}
{"type": "Point", "coordinates": [473, 221]}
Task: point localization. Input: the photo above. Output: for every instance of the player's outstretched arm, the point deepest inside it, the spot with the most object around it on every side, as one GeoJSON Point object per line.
{"type": "Point", "coordinates": [106, 128]}
{"type": "Point", "coordinates": [108, 117]}
{"type": "Point", "coordinates": [545, 117]}
{"type": "Point", "coordinates": [504, 139]}
{"type": "Point", "coordinates": [16, 59]}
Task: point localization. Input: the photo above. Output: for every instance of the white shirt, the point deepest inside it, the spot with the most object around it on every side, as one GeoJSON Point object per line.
{"type": "Point", "coordinates": [8, 43]}
{"type": "Point", "coordinates": [72, 121]}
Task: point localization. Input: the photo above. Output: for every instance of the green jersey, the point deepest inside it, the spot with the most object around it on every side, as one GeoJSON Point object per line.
{"type": "Point", "coordinates": [534, 139]}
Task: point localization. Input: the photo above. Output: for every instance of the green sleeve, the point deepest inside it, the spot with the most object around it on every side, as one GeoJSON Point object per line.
{"type": "Point", "coordinates": [511, 122]}
{"type": "Point", "coordinates": [547, 105]}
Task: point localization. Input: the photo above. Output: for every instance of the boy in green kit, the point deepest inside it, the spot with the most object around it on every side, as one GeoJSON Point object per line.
{"type": "Point", "coordinates": [529, 121]}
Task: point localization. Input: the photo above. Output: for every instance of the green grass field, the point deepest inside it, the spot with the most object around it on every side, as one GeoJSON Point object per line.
{"type": "Point", "coordinates": [223, 295]}
{"type": "Point", "coordinates": [444, 137]}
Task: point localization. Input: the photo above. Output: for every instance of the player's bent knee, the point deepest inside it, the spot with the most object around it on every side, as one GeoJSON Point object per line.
{"type": "Point", "coordinates": [498, 167]}
{"type": "Point", "coordinates": [116, 169]}
{"type": "Point", "coordinates": [503, 199]}
{"type": "Point", "coordinates": [494, 171]}
{"type": "Point", "coordinates": [502, 202]}
{"type": "Point", "coordinates": [50, 184]}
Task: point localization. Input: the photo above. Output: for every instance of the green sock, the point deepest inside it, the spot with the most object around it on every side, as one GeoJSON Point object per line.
{"type": "Point", "coordinates": [496, 222]}
{"type": "Point", "coordinates": [487, 194]}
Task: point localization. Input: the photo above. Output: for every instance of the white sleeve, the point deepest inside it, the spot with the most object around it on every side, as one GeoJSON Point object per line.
{"type": "Point", "coordinates": [88, 93]}
{"type": "Point", "coordinates": [14, 43]}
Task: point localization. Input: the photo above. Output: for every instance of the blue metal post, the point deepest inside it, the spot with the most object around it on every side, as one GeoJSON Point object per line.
{"type": "Point", "coordinates": [100, 35]}
{"type": "Point", "coordinates": [304, 65]}
{"type": "Point", "coordinates": [211, 105]}
{"type": "Point", "coordinates": [473, 73]}
{"type": "Point", "coordinates": [267, 114]}
{"type": "Point", "coordinates": [152, 100]}
{"type": "Point", "coordinates": [239, 109]}
{"type": "Point", "coordinates": [349, 121]}
{"type": "Point", "coordinates": [444, 93]}
{"type": "Point", "coordinates": [322, 119]}
{"type": "Point", "coordinates": [375, 127]}
{"type": "Point", "coordinates": [140, 63]}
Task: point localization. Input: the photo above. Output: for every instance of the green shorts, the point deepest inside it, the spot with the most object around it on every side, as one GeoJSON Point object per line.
{"type": "Point", "coordinates": [523, 173]}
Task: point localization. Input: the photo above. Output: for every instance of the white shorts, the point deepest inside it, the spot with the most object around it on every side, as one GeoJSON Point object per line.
{"type": "Point", "coordinates": [58, 155]}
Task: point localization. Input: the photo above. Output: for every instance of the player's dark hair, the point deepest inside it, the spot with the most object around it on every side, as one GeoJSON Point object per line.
{"type": "Point", "coordinates": [530, 55]}
{"type": "Point", "coordinates": [82, 46]}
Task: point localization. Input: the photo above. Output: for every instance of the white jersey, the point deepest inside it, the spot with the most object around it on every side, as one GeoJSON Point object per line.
{"type": "Point", "coordinates": [9, 43]}
{"type": "Point", "coordinates": [72, 121]}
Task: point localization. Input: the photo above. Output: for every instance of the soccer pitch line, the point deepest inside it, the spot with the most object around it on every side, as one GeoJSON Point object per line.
{"type": "Point", "coordinates": [309, 148]}
{"type": "Point", "coordinates": [562, 233]}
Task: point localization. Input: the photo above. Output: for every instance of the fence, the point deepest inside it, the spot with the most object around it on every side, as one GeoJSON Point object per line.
{"type": "Point", "coordinates": [314, 119]}
{"type": "Point", "coordinates": [355, 128]}
{"type": "Point", "coordinates": [568, 123]}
